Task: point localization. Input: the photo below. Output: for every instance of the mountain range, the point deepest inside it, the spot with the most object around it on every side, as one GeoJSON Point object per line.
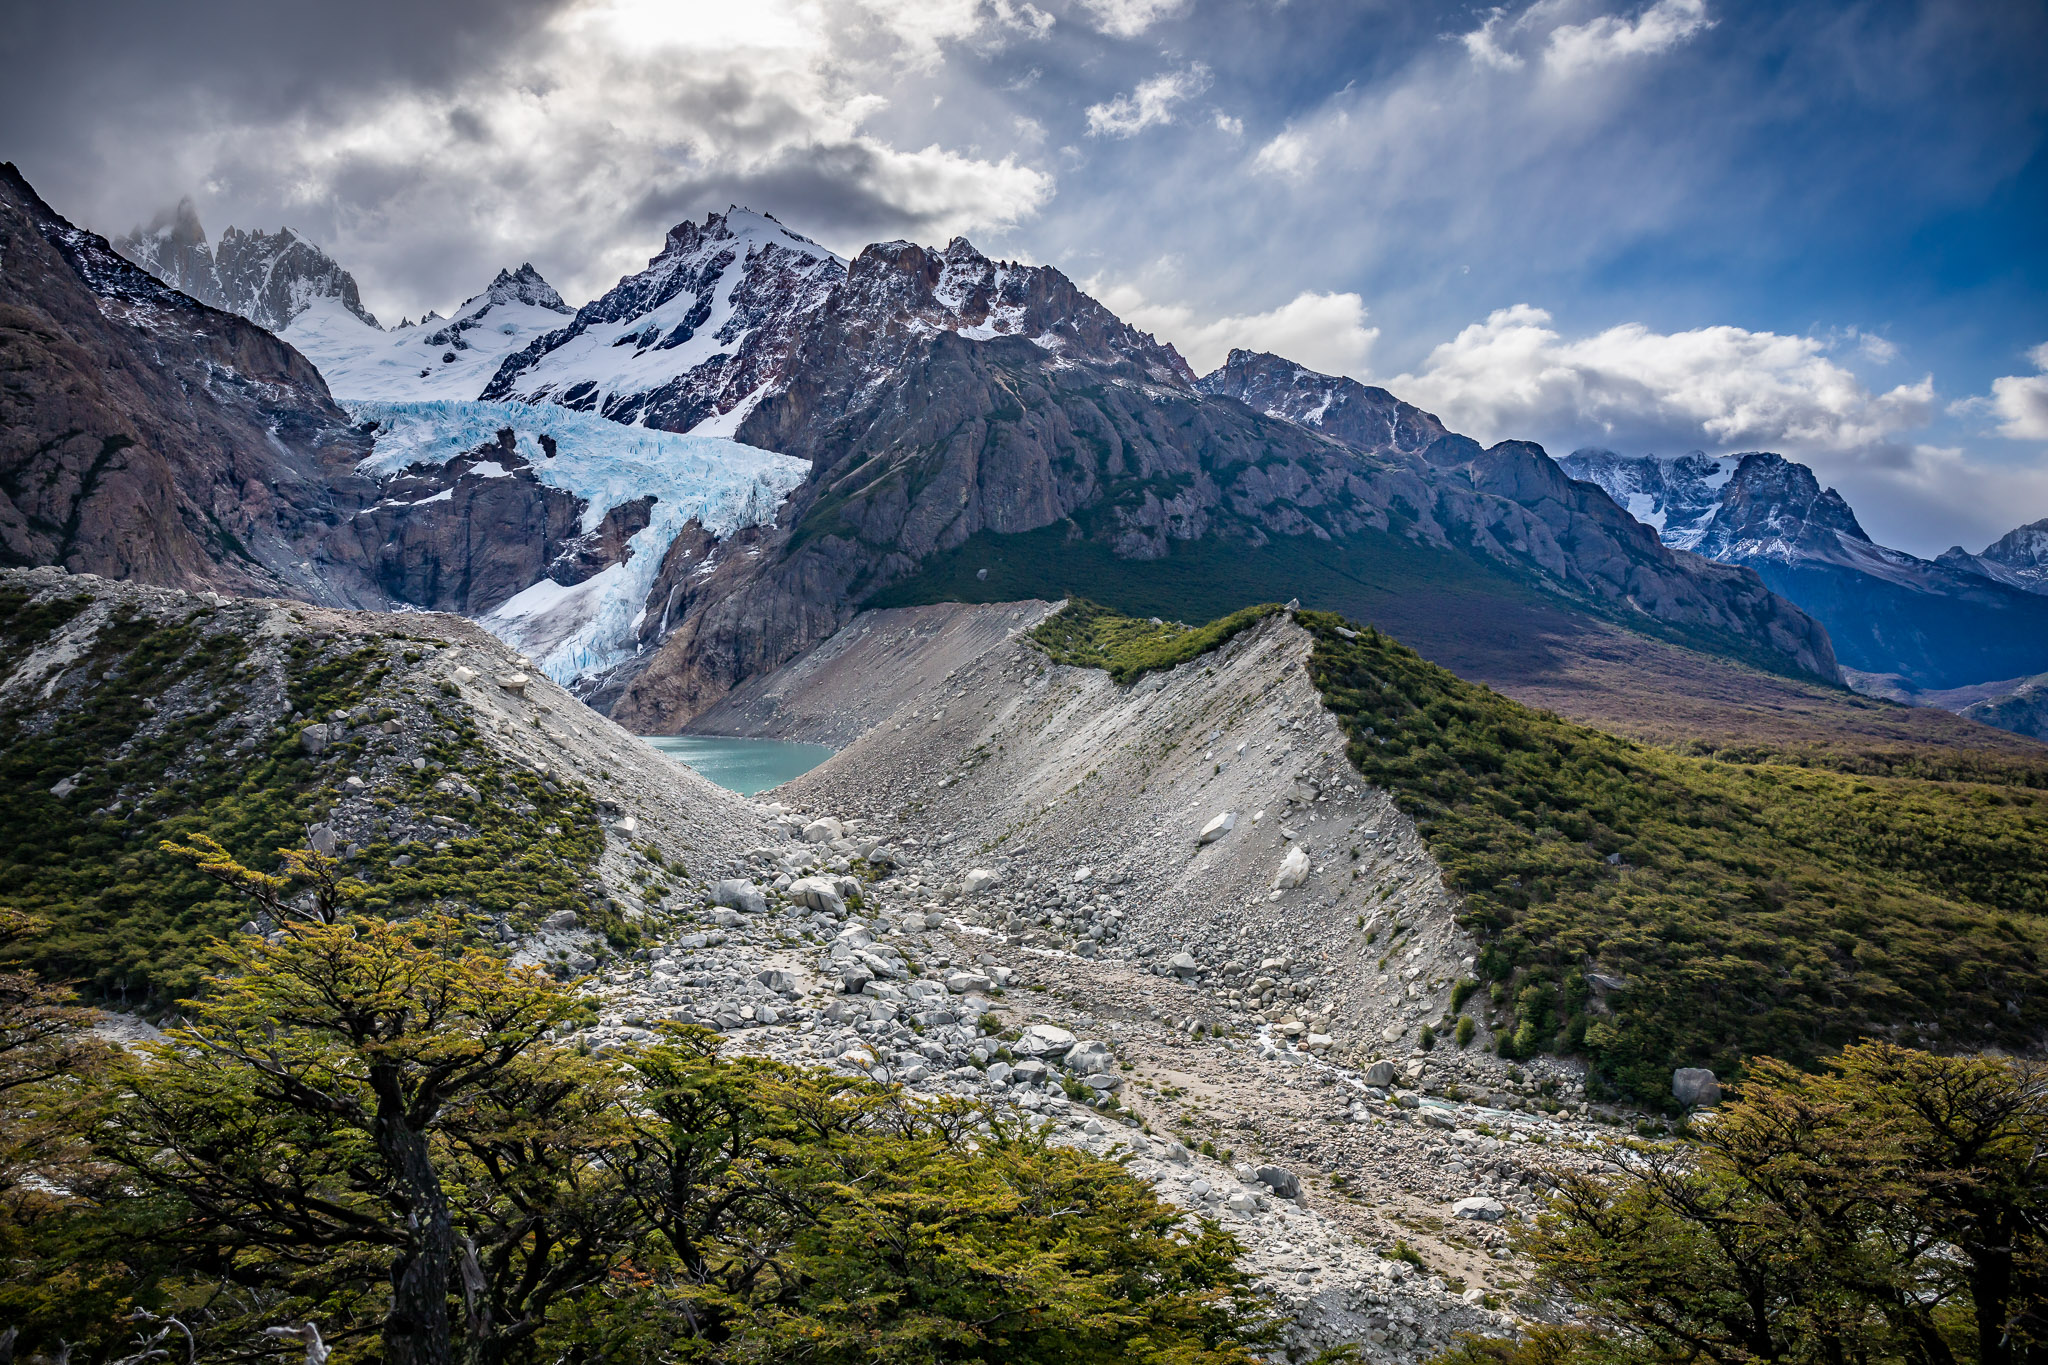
{"type": "Point", "coordinates": [715, 464]}
{"type": "Point", "coordinates": [1902, 626]}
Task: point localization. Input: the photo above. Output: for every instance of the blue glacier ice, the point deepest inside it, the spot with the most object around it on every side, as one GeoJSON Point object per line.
{"type": "Point", "coordinates": [578, 633]}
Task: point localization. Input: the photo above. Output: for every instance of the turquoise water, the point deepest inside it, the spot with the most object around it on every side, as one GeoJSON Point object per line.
{"type": "Point", "coordinates": [742, 765]}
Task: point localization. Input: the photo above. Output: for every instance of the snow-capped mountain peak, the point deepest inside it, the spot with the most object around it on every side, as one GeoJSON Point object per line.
{"type": "Point", "coordinates": [436, 358]}
{"type": "Point", "coordinates": [696, 337]}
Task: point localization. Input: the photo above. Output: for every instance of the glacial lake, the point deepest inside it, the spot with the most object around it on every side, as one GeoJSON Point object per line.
{"type": "Point", "coordinates": [742, 765]}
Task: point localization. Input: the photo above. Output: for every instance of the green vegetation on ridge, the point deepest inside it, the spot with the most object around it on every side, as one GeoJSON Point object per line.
{"type": "Point", "coordinates": [152, 726]}
{"type": "Point", "coordinates": [1087, 635]}
{"type": "Point", "coordinates": [1745, 909]}
{"type": "Point", "coordinates": [1749, 909]}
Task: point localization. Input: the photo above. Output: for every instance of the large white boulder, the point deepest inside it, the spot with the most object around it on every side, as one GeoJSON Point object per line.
{"type": "Point", "coordinates": [739, 893]}
{"type": "Point", "coordinates": [1218, 827]}
{"type": "Point", "coordinates": [1293, 869]}
{"type": "Point", "coordinates": [979, 880]}
{"type": "Point", "coordinates": [1044, 1040]}
{"type": "Point", "coordinates": [823, 831]}
{"type": "Point", "coordinates": [819, 893]}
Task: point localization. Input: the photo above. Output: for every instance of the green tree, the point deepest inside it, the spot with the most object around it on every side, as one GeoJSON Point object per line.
{"type": "Point", "coordinates": [801, 1217]}
{"type": "Point", "coordinates": [1891, 1209]}
{"type": "Point", "coordinates": [363, 1100]}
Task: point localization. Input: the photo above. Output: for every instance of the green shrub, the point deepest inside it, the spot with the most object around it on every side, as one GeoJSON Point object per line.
{"type": "Point", "coordinates": [1089, 636]}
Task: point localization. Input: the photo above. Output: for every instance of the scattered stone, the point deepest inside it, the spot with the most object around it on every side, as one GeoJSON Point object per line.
{"type": "Point", "coordinates": [823, 831]}
{"type": "Point", "coordinates": [515, 683]}
{"type": "Point", "coordinates": [1217, 828]}
{"type": "Point", "coordinates": [981, 879]}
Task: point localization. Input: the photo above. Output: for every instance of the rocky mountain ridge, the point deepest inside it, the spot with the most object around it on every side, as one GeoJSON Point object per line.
{"type": "Point", "coordinates": [1941, 624]}
{"type": "Point", "coordinates": [269, 278]}
{"type": "Point", "coordinates": [2018, 559]}
{"type": "Point", "coordinates": [950, 407]}
{"type": "Point", "coordinates": [946, 402]}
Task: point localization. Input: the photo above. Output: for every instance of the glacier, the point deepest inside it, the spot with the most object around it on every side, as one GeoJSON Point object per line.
{"type": "Point", "coordinates": [577, 633]}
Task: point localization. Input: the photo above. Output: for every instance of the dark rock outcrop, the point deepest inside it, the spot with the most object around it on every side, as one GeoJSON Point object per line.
{"type": "Point", "coordinates": [145, 435]}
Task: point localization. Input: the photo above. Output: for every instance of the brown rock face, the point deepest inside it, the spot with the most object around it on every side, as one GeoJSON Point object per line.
{"type": "Point", "coordinates": [940, 396]}
{"type": "Point", "coordinates": [144, 435]}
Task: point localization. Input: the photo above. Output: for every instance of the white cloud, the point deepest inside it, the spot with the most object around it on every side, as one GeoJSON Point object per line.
{"type": "Point", "coordinates": [577, 152]}
{"type": "Point", "coordinates": [1291, 155]}
{"type": "Point", "coordinates": [1325, 332]}
{"type": "Point", "coordinates": [1230, 127]}
{"type": "Point", "coordinates": [1129, 18]}
{"type": "Point", "coordinates": [1505, 40]}
{"type": "Point", "coordinates": [1573, 48]}
{"type": "Point", "coordinates": [1150, 104]}
{"type": "Point", "coordinates": [1727, 387]}
{"type": "Point", "coordinates": [2020, 401]}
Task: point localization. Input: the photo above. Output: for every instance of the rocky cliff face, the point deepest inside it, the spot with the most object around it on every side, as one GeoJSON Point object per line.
{"type": "Point", "coordinates": [1361, 417]}
{"type": "Point", "coordinates": [267, 277]}
{"type": "Point", "coordinates": [696, 337]}
{"type": "Point", "coordinates": [941, 396]}
{"type": "Point", "coordinates": [1939, 624]}
{"type": "Point", "coordinates": [145, 435]}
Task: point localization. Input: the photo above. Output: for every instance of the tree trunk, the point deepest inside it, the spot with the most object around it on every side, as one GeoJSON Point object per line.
{"type": "Point", "coordinates": [416, 1328]}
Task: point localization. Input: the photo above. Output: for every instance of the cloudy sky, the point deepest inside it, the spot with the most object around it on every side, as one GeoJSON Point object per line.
{"type": "Point", "coordinates": [1819, 228]}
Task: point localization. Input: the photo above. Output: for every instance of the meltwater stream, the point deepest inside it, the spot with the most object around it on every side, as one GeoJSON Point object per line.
{"type": "Point", "coordinates": [742, 765]}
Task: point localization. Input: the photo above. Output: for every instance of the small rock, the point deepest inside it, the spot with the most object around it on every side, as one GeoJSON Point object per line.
{"type": "Point", "coordinates": [818, 893]}
{"type": "Point", "coordinates": [960, 983]}
{"type": "Point", "coordinates": [823, 831]}
{"type": "Point", "coordinates": [64, 788]}
{"type": "Point", "coordinates": [561, 919]}
{"type": "Point", "coordinates": [1044, 1040]}
{"type": "Point", "coordinates": [463, 675]}
{"type": "Point", "coordinates": [1217, 828]}
{"type": "Point", "coordinates": [1380, 1073]}
{"type": "Point", "coordinates": [515, 683]}
{"type": "Point", "coordinates": [979, 880]}
{"type": "Point", "coordinates": [1184, 965]}
{"type": "Point", "coordinates": [322, 840]}
{"type": "Point", "coordinates": [781, 982]}
{"type": "Point", "coordinates": [313, 739]}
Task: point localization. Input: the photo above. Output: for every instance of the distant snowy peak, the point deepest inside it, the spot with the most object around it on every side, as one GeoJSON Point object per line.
{"type": "Point", "coordinates": [436, 358]}
{"type": "Point", "coordinates": [523, 285]}
{"type": "Point", "coordinates": [1740, 509]}
{"type": "Point", "coordinates": [2018, 559]}
{"type": "Point", "coordinates": [899, 292]}
{"type": "Point", "coordinates": [1675, 495]}
{"type": "Point", "coordinates": [695, 338]}
{"type": "Point", "coordinates": [269, 278]}
{"type": "Point", "coordinates": [1359, 415]}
